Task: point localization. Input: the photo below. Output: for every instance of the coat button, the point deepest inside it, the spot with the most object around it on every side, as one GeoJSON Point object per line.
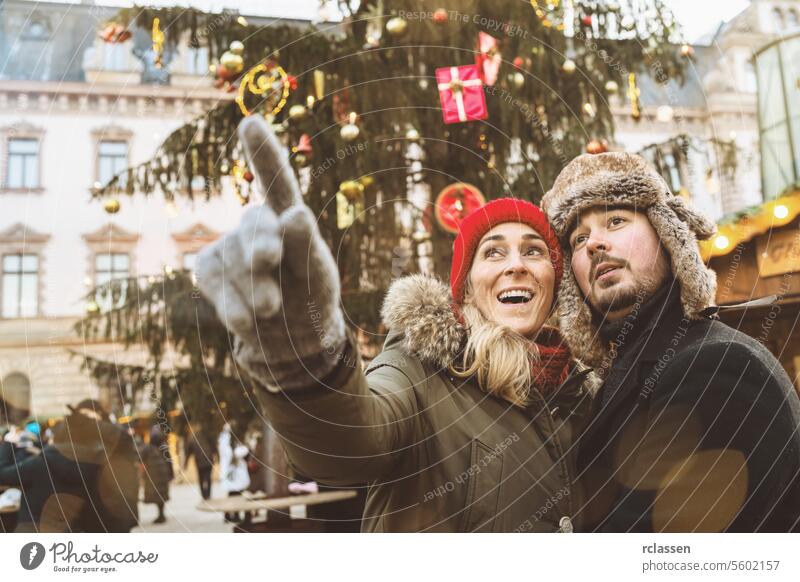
{"type": "Point", "coordinates": [565, 525]}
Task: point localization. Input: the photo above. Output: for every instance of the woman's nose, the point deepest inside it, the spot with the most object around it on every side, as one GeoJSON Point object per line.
{"type": "Point", "coordinates": [514, 264]}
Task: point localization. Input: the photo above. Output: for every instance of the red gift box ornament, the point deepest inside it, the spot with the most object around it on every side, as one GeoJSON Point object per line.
{"type": "Point", "coordinates": [488, 58]}
{"type": "Point", "coordinates": [461, 93]}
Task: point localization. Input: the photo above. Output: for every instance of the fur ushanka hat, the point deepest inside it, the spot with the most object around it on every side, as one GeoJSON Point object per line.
{"type": "Point", "coordinates": [622, 179]}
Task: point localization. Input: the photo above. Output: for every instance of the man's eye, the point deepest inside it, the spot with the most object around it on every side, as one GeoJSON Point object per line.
{"type": "Point", "coordinates": [616, 221]}
{"type": "Point", "coordinates": [578, 240]}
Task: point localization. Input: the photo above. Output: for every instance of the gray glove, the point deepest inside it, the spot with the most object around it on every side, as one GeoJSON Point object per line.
{"type": "Point", "coordinates": [273, 280]}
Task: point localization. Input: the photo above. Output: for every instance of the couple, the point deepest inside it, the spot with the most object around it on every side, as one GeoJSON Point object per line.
{"type": "Point", "coordinates": [643, 413]}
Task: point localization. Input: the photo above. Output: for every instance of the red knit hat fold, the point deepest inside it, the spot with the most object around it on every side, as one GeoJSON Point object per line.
{"type": "Point", "coordinates": [478, 223]}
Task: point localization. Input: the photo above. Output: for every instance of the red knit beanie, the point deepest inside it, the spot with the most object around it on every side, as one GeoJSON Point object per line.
{"type": "Point", "coordinates": [479, 222]}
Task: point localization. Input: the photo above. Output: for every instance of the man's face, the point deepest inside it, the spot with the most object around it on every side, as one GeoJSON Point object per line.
{"type": "Point", "coordinates": [512, 278]}
{"type": "Point", "coordinates": [617, 259]}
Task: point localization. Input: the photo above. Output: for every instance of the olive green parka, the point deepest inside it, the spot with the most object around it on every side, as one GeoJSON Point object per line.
{"type": "Point", "coordinates": [436, 452]}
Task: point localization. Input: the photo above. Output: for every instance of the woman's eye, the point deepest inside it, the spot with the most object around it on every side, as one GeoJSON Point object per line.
{"type": "Point", "coordinates": [491, 252]}
{"type": "Point", "coordinates": [534, 252]}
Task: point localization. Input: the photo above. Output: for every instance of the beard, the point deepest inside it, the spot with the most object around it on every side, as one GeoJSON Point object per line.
{"type": "Point", "coordinates": [611, 298]}
{"type": "Point", "coordinates": [617, 297]}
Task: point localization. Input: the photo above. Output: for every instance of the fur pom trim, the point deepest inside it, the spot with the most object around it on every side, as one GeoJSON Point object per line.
{"type": "Point", "coordinates": [421, 308]}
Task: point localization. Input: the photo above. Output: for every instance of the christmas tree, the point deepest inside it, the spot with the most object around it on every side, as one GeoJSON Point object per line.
{"type": "Point", "coordinates": [401, 118]}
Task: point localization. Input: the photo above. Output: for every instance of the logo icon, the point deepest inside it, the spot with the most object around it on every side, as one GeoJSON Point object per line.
{"type": "Point", "coordinates": [31, 555]}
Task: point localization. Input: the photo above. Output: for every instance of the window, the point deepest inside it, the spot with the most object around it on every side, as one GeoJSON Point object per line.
{"type": "Point", "coordinates": [196, 61]}
{"type": "Point", "coordinates": [189, 261]}
{"type": "Point", "coordinates": [20, 285]}
{"type": "Point", "coordinates": [110, 267]}
{"type": "Point", "coordinates": [792, 18]}
{"type": "Point", "coordinates": [23, 163]}
{"type": "Point", "coordinates": [112, 158]}
{"type": "Point", "coordinates": [115, 56]}
{"type": "Point", "coordinates": [777, 19]}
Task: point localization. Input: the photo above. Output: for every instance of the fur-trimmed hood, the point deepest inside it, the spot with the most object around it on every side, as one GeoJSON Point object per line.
{"type": "Point", "coordinates": [420, 307]}
{"type": "Point", "coordinates": [628, 180]}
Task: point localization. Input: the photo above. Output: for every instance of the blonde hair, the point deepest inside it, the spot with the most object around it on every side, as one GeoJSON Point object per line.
{"type": "Point", "coordinates": [500, 358]}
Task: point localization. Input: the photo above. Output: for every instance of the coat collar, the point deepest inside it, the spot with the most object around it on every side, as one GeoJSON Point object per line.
{"type": "Point", "coordinates": [420, 307]}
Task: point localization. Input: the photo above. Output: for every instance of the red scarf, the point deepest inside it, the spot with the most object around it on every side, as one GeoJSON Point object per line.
{"type": "Point", "coordinates": [552, 368]}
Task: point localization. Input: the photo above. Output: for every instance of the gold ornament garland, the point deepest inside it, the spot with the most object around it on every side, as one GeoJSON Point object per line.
{"type": "Point", "coordinates": [544, 17]}
{"type": "Point", "coordinates": [259, 86]}
{"type": "Point", "coordinates": [158, 42]}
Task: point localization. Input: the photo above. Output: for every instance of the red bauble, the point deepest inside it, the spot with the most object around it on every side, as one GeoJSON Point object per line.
{"type": "Point", "coordinates": [596, 146]}
{"type": "Point", "coordinates": [454, 203]}
{"type": "Point", "coordinates": [225, 74]}
{"type": "Point", "coordinates": [440, 16]}
{"type": "Point", "coordinates": [518, 62]}
{"type": "Point", "coordinates": [587, 20]}
{"type": "Point", "coordinates": [248, 175]}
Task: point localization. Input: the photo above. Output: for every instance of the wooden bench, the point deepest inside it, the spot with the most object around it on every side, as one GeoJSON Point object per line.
{"type": "Point", "coordinates": [277, 510]}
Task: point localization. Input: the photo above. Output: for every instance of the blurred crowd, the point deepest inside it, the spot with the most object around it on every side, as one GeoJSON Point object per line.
{"type": "Point", "coordinates": [88, 473]}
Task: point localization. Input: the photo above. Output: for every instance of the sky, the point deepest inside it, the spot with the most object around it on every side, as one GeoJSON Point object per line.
{"type": "Point", "coordinates": [700, 16]}
{"type": "Point", "coordinates": [697, 16]}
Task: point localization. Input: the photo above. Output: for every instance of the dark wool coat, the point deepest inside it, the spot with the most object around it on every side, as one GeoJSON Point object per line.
{"type": "Point", "coordinates": [157, 471]}
{"type": "Point", "coordinates": [695, 429]}
{"type": "Point", "coordinates": [85, 482]}
{"type": "Point", "coordinates": [437, 452]}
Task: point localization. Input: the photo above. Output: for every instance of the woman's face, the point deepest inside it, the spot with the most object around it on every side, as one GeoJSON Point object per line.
{"type": "Point", "coordinates": [512, 278]}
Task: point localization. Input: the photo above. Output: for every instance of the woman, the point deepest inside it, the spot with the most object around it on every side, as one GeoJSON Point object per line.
{"type": "Point", "coordinates": [465, 421]}
{"type": "Point", "coordinates": [233, 475]}
{"type": "Point", "coordinates": [158, 472]}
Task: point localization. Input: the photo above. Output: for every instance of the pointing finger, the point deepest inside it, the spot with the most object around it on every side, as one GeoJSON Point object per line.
{"type": "Point", "coordinates": [269, 162]}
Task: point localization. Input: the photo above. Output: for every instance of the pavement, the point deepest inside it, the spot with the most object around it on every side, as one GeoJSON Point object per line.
{"type": "Point", "coordinates": [182, 513]}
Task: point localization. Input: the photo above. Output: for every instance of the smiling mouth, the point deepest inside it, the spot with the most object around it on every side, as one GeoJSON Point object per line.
{"type": "Point", "coordinates": [516, 296]}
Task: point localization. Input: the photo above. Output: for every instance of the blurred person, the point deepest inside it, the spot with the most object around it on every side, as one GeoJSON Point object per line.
{"type": "Point", "coordinates": [84, 482]}
{"type": "Point", "coordinates": [465, 421]}
{"type": "Point", "coordinates": [234, 477]}
{"type": "Point", "coordinates": [158, 471]}
{"type": "Point", "coordinates": [198, 445]}
{"type": "Point", "coordinates": [255, 464]}
{"type": "Point", "coordinates": [696, 427]}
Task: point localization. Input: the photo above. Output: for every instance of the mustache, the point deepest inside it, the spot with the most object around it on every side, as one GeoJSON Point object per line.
{"type": "Point", "coordinates": [603, 257]}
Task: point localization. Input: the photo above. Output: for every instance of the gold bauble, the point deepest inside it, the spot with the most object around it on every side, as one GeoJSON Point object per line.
{"type": "Point", "coordinates": [687, 50]}
{"type": "Point", "coordinates": [518, 80]}
{"type": "Point", "coordinates": [397, 26]}
{"type": "Point", "coordinates": [301, 160]}
{"type": "Point", "coordinates": [232, 62]}
{"type": "Point", "coordinates": [612, 87]}
{"type": "Point", "coordinates": [111, 205]}
{"type": "Point", "coordinates": [350, 132]}
{"type": "Point", "coordinates": [569, 66]}
{"type": "Point", "coordinates": [351, 189]}
{"type": "Point", "coordinates": [297, 112]}
{"type": "Point", "coordinates": [237, 47]}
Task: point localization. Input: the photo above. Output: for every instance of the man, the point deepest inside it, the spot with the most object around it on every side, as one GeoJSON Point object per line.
{"type": "Point", "coordinates": [204, 451]}
{"type": "Point", "coordinates": [696, 425]}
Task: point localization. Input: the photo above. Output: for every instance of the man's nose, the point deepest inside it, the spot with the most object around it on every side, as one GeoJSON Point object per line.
{"type": "Point", "coordinates": [596, 244]}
